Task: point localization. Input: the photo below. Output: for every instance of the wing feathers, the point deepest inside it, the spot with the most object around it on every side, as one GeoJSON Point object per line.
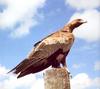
{"type": "Point", "coordinates": [24, 65]}
{"type": "Point", "coordinates": [38, 65]}
{"type": "Point", "coordinates": [20, 66]}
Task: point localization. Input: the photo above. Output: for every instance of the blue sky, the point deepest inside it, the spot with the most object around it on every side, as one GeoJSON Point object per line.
{"type": "Point", "coordinates": [23, 23]}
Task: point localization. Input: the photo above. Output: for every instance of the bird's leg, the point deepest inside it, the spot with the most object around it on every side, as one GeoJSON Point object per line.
{"type": "Point", "coordinates": [64, 64]}
{"type": "Point", "coordinates": [56, 64]}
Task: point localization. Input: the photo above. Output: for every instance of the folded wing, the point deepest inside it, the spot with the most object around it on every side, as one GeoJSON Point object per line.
{"type": "Point", "coordinates": [39, 59]}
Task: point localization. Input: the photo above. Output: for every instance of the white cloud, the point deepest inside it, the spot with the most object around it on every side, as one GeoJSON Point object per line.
{"type": "Point", "coordinates": [89, 31]}
{"type": "Point", "coordinates": [83, 4]}
{"type": "Point", "coordinates": [96, 82]}
{"type": "Point", "coordinates": [20, 12]}
{"type": "Point", "coordinates": [38, 84]}
{"type": "Point", "coordinates": [77, 66]}
{"type": "Point", "coordinates": [83, 81]}
{"type": "Point", "coordinates": [23, 30]}
{"type": "Point", "coordinates": [97, 66]}
{"type": "Point", "coordinates": [3, 70]}
{"type": "Point", "coordinates": [9, 81]}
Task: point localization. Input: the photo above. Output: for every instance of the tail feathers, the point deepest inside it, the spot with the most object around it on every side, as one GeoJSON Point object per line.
{"type": "Point", "coordinates": [20, 66]}
{"type": "Point", "coordinates": [30, 66]}
{"type": "Point", "coordinates": [39, 66]}
{"type": "Point", "coordinates": [25, 72]}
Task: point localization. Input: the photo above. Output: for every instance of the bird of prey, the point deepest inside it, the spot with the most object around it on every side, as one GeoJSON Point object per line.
{"type": "Point", "coordinates": [50, 51]}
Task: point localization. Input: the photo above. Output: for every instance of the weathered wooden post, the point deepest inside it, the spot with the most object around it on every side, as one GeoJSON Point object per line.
{"type": "Point", "coordinates": [56, 78]}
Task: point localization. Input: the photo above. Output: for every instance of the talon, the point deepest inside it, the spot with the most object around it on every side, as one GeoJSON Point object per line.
{"type": "Point", "coordinates": [68, 70]}
{"type": "Point", "coordinates": [70, 75]}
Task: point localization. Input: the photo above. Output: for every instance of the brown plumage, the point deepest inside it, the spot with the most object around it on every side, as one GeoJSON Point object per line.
{"type": "Point", "coordinates": [51, 51]}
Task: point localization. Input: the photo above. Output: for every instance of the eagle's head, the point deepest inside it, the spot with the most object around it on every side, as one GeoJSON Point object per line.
{"type": "Point", "coordinates": [77, 22]}
{"type": "Point", "coordinates": [74, 24]}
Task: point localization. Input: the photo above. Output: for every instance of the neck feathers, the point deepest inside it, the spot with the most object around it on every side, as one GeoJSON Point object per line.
{"type": "Point", "coordinates": [68, 28]}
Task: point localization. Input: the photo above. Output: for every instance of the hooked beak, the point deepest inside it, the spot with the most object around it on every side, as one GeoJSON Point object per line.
{"type": "Point", "coordinates": [83, 21]}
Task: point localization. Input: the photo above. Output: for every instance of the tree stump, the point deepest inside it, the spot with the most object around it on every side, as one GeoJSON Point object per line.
{"type": "Point", "coordinates": [56, 78]}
